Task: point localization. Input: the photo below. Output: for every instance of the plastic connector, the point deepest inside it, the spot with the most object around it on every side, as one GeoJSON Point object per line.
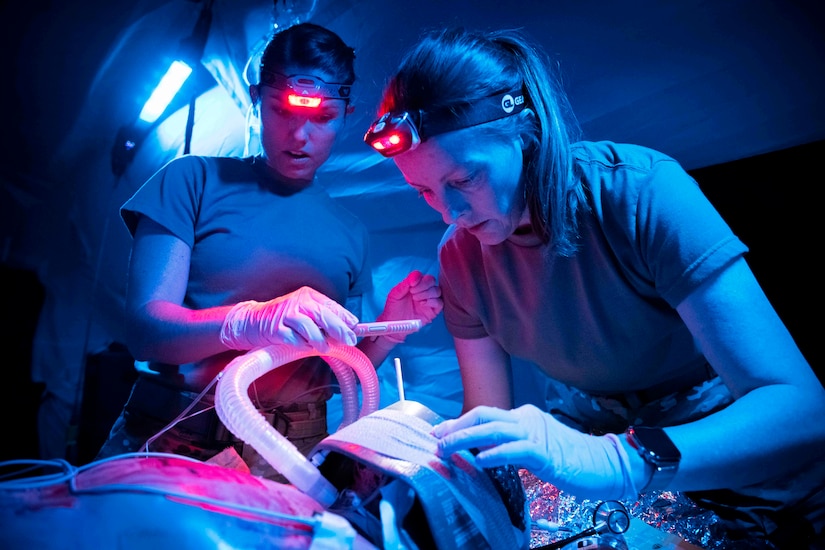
{"type": "Point", "coordinates": [332, 532]}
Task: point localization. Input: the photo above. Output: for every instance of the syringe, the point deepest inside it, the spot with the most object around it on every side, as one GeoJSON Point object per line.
{"type": "Point", "coordinates": [387, 327]}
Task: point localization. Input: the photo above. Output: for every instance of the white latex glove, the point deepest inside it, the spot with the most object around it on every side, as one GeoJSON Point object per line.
{"type": "Point", "coordinates": [416, 297]}
{"type": "Point", "coordinates": [588, 466]}
{"type": "Point", "coordinates": [304, 316]}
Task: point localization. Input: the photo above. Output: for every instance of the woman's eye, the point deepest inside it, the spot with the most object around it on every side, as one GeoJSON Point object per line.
{"type": "Point", "coordinates": [462, 183]}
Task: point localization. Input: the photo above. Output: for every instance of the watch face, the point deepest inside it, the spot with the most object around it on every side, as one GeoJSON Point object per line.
{"type": "Point", "coordinates": [655, 444]}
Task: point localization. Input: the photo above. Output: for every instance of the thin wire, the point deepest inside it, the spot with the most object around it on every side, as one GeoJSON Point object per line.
{"type": "Point", "coordinates": [259, 46]}
{"type": "Point", "coordinates": [185, 416]}
{"type": "Point", "coordinates": [256, 50]}
{"type": "Point", "coordinates": [67, 471]}
{"type": "Point", "coordinates": [70, 473]}
{"type": "Point", "coordinates": [182, 416]}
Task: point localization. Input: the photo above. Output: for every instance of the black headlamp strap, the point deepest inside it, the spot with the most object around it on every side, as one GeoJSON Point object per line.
{"type": "Point", "coordinates": [457, 117]}
{"type": "Point", "coordinates": [305, 85]}
{"type": "Point", "coordinates": [398, 131]}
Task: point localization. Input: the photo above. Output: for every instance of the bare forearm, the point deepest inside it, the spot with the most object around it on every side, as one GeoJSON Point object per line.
{"type": "Point", "coordinates": [766, 432]}
{"type": "Point", "coordinates": [169, 333]}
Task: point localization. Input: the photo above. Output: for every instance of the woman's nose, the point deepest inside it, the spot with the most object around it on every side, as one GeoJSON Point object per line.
{"type": "Point", "coordinates": [453, 207]}
{"type": "Point", "coordinates": [299, 127]}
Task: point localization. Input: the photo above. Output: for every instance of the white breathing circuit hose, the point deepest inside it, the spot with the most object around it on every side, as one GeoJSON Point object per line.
{"type": "Point", "coordinates": [239, 415]}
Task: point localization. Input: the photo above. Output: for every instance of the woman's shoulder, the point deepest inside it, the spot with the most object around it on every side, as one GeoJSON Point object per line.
{"type": "Point", "coordinates": [627, 179]}
{"type": "Point", "coordinates": [205, 162]}
{"type": "Point", "coordinates": [202, 172]}
{"type": "Point", "coordinates": [626, 171]}
{"type": "Point", "coordinates": [615, 154]}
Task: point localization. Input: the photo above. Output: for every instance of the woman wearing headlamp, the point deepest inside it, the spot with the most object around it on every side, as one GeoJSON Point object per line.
{"type": "Point", "coordinates": [605, 266]}
{"type": "Point", "coordinates": [233, 254]}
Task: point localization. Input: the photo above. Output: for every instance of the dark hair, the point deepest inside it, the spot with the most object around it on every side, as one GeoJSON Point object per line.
{"type": "Point", "coordinates": [451, 67]}
{"type": "Point", "coordinates": [310, 45]}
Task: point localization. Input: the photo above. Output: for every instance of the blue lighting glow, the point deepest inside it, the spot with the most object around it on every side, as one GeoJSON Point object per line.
{"type": "Point", "coordinates": [165, 91]}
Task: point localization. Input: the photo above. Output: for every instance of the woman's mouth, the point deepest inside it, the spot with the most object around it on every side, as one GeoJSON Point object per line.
{"type": "Point", "coordinates": [477, 227]}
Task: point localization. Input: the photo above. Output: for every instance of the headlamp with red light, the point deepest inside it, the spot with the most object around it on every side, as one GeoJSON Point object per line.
{"type": "Point", "coordinates": [396, 132]}
{"type": "Point", "coordinates": [305, 90]}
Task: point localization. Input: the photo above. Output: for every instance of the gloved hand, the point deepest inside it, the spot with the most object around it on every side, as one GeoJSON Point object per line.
{"type": "Point", "coordinates": [594, 467]}
{"type": "Point", "coordinates": [304, 316]}
{"type": "Point", "coordinates": [416, 297]}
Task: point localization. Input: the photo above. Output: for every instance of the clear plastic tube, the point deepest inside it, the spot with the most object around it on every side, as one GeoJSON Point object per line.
{"type": "Point", "coordinates": [349, 392]}
{"type": "Point", "coordinates": [239, 415]}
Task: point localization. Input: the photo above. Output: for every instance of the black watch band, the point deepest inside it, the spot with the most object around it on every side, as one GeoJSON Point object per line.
{"type": "Point", "coordinates": [657, 450]}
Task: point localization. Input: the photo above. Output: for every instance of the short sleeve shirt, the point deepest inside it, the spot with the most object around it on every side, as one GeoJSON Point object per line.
{"type": "Point", "coordinates": [254, 238]}
{"type": "Point", "coordinates": [603, 319]}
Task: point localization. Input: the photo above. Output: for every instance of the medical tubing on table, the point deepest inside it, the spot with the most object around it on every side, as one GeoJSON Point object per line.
{"type": "Point", "coordinates": [239, 415]}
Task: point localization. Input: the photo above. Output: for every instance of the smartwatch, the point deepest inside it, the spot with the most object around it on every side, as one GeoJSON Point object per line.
{"type": "Point", "coordinates": [657, 450]}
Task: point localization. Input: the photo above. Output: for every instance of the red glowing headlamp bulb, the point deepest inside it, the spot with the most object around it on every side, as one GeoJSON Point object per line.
{"type": "Point", "coordinates": [393, 134]}
{"type": "Point", "coordinates": [310, 102]}
{"type": "Point", "coordinates": [386, 143]}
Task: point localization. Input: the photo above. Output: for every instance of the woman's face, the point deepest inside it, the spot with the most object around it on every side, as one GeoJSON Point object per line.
{"type": "Point", "coordinates": [296, 141]}
{"type": "Point", "coordinates": [473, 180]}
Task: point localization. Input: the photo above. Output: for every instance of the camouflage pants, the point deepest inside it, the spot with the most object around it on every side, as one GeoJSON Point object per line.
{"type": "Point", "coordinates": [149, 423]}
